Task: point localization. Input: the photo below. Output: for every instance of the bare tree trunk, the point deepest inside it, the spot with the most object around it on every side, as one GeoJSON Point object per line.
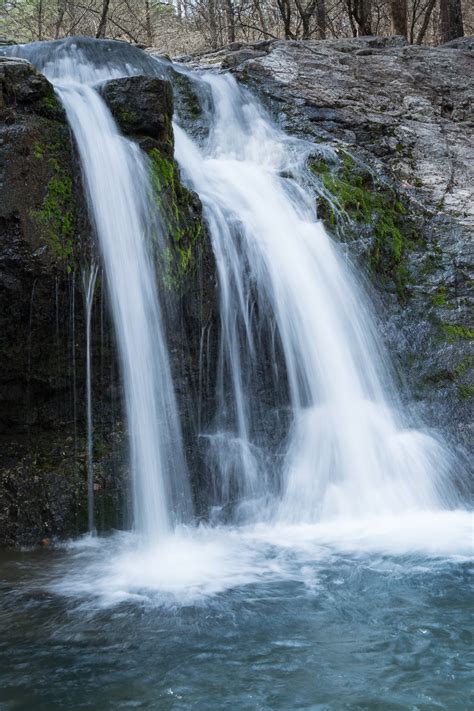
{"type": "Point", "coordinates": [230, 21]}
{"type": "Point", "coordinates": [149, 29]}
{"type": "Point", "coordinates": [398, 10]}
{"type": "Point", "coordinates": [213, 23]}
{"type": "Point", "coordinates": [59, 20]}
{"type": "Point", "coordinates": [365, 14]}
{"type": "Point", "coordinates": [101, 30]}
{"type": "Point", "coordinates": [451, 20]}
{"type": "Point", "coordinates": [360, 16]}
{"type": "Point", "coordinates": [321, 19]}
{"type": "Point", "coordinates": [261, 16]}
{"type": "Point", "coordinates": [425, 23]}
{"type": "Point", "coordinates": [285, 12]}
{"type": "Point", "coordinates": [40, 19]}
{"type": "Point", "coordinates": [351, 18]}
{"type": "Point", "coordinates": [306, 13]}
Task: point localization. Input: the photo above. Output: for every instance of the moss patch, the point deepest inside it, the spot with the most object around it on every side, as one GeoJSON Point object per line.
{"type": "Point", "coordinates": [55, 217]}
{"type": "Point", "coordinates": [456, 332]}
{"type": "Point", "coordinates": [368, 202]}
{"type": "Point", "coordinates": [187, 94]}
{"type": "Point", "coordinates": [181, 213]}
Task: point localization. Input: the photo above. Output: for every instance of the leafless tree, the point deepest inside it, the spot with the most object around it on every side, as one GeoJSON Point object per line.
{"type": "Point", "coordinates": [399, 12]}
{"type": "Point", "coordinates": [451, 24]}
{"type": "Point", "coordinates": [101, 30]}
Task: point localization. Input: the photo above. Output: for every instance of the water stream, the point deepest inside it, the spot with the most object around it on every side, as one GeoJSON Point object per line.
{"type": "Point", "coordinates": [116, 181]}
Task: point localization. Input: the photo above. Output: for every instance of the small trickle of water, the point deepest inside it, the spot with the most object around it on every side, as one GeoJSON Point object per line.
{"type": "Point", "coordinates": [89, 280]}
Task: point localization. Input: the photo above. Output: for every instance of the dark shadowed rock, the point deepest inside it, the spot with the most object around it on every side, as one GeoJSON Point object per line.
{"type": "Point", "coordinates": [142, 106]}
{"type": "Point", "coordinates": [47, 245]}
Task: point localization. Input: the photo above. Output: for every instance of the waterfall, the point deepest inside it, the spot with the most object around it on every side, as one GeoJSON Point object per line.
{"type": "Point", "coordinates": [116, 179]}
{"type": "Point", "coordinates": [348, 452]}
{"type": "Point", "coordinates": [308, 425]}
{"type": "Point", "coordinates": [114, 167]}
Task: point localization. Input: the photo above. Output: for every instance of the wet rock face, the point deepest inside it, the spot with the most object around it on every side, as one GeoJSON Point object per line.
{"type": "Point", "coordinates": [142, 106]}
{"type": "Point", "coordinates": [38, 220]}
{"type": "Point", "coordinates": [46, 243]}
{"type": "Point", "coordinates": [47, 247]}
{"type": "Point", "coordinates": [398, 123]}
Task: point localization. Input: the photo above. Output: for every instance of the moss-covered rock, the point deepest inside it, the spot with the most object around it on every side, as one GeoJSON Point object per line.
{"type": "Point", "coordinates": [375, 207]}
{"type": "Point", "coordinates": [182, 215]}
{"type": "Point", "coordinates": [403, 114]}
{"type": "Point", "coordinates": [143, 107]}
{"type": "Point", "coordinates": [185, 262]}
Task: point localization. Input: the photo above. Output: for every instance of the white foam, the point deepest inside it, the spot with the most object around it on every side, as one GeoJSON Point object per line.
{"type": "Point", "coordinates": [193, 565]}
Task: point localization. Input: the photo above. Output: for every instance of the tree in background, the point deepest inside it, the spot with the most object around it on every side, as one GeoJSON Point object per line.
{"type": "Point", "coordinates": [100, 34]}
{"type": "Point", "coordinates": [177, 26]}
{"type": "Point", "coordinates": [399, 11]}
{"type": "Point", "coordinates": [451, 24]}
{"type": "Point", "coordinates": [360, 17]}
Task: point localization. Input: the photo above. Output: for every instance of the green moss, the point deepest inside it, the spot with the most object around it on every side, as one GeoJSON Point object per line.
{"type": "Point", "coordinates": [38, 151]}
{"type": "Point", "coordinates": [464, 366]}
{"type": "Point", "coordinates": [50, 107]}
{"type": "Point", "coordinates": [319, 167]}
{"type": "Point", "coordinates": [456, 332]}
{"type": "Point", "coordinates": [466, 391]}
{"type": "Point", "coordinates": [50, 102]}
{"type": "Point", "coordinates": [439, 297]}
{"type": "Point", "coordinates": [178, 209]}
{"type": "Point", "coordinates": [463, 373]}
{"type": "Point", "coordinates": [188, 95]}
{"type": "Point", "coordinates": [368, 202]}
{"type": "Point", "coordinates": [459, 376]}
{"type": "Point", "coordinates": [55, 215]}
{"type": "Point", "coordinates": [126, 116]}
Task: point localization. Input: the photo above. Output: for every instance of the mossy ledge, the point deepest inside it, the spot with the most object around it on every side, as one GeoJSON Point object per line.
{"type": "Point", "coordinates": [181, 212]}
{"type": "Point", "coordinates": [352, 196]}
{"type": "Point", "coordinates": [55, 217]}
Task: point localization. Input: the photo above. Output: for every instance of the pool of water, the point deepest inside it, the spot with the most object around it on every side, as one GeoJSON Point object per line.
{"type": "Point", "coordinates": [372, 615]}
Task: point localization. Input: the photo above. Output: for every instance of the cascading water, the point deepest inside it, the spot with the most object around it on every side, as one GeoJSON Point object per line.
{"type": "Point", "coordinates": [329, 593]}
{"type": "Point", "coordinates": [318, 438]}
{"type": "Point", "coordinates": [349, 452]}
{"type": "Point", "coordinates": [119, 195]}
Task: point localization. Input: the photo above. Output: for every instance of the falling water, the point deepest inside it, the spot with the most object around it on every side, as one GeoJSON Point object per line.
{"type": "Point", "coordinates": [116, 179]}
{"type": "Point", "coordinates": [89, 278]}
{"type": "Point", "coordinates": [348, 451]}
{"type": "Point", "coordinates": [308, 425]}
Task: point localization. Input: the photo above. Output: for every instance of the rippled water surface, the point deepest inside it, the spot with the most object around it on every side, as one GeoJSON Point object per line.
{"type": "Point", "coordinates": [295, 618]}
